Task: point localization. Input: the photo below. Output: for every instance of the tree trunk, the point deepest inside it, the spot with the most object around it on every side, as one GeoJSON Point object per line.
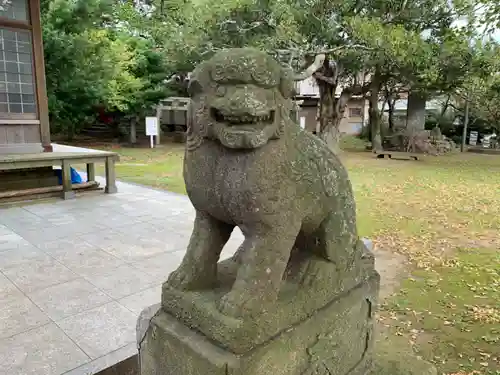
{"type": "Point", "coordinates": [331, 115]}
{"type": "Point", "coordinates": [331, 136]}
{"type": "Point", "coordinates": [332, 109]}
{"type": "Point", "coordinates": [329, 118]}
{"type": "Point", "coordinates": [415, 115]}
{"type": "Point", "coordinates": [391, 104]}
{"type": "Point", "coordinates": [466, 123]}
{"type": "Point", "coordinates": [329, 122]}
{"type": "Point", "coordinates": [376, 136]}
{"type": "Point", "coordinates": [133, 130]}
{"type": "Point", "coordinates": [70, 131]}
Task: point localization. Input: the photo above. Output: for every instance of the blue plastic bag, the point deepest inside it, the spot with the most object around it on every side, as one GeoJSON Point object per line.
{"type": "Point", "coordinates": [75, 177]}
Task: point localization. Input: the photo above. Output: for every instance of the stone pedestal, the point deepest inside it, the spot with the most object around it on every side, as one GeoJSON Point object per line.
{"type": "Point", "coordinates": [334, 340]}
{"type": "Point", "coordinates": [323, 326]}
{"type": "Point", "coordinates": [301, 335]}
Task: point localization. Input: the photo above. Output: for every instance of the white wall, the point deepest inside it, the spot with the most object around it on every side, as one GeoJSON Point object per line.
{"type": "Point", "coordinates": [308, 87]}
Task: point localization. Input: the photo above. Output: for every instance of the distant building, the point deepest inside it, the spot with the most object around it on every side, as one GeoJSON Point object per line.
{"type": "Point", "coordinates": [356, 115]}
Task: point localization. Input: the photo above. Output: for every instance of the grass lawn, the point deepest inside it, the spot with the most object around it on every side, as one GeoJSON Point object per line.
{"type": "Point", "coordinates": [442, 213]}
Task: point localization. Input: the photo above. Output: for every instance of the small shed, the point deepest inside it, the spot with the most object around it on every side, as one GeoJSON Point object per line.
{"type": "Point", "coordinates": [172, 113]}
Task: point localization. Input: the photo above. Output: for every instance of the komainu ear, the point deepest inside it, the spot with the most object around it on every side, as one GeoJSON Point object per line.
{"type": "Point", "coordinates": [287, 84]}
{"type": "Point", "coordinates": [193, 136]}
{"type": "Point", "coordinates": [194, 87]}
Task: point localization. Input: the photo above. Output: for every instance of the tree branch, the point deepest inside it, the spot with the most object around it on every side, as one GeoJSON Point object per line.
{"type": "Point", "coordinates": [340, 48]}
{"type": "Point", "coordinates": [320, 59]}
{"type": "Point", "coordinates": [322, 77]}
{"type": "Point", "coordinates": [315, 66]}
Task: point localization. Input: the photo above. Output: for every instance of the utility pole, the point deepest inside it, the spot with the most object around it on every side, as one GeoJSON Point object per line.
{"type": "Point", "coordinates": [466, 123]}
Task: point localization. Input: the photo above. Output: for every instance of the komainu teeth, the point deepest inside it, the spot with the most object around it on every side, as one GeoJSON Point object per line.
{"type": "Point", "coordinates": [246, 119]}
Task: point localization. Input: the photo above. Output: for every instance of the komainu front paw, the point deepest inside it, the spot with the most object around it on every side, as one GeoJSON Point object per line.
{"type": "Point", "coordinates": [187, 278]}
{"type": "Point", "coordinates": [180, 279]}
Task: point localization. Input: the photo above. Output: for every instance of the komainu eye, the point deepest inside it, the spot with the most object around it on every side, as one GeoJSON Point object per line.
{"type": "Point", "coordinates": [220, 91]}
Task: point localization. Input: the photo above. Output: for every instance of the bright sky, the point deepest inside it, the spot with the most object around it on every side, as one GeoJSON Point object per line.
{"type": "Point", "coordinates": [463, 22]}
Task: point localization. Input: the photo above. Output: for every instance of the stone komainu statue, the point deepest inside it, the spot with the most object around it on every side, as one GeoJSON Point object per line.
{"type": "Point", "coordinates": [299, 295]}
{"type": "Point", "coordinates": [247, 164]}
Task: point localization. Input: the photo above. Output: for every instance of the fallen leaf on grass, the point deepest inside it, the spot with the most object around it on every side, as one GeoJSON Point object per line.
{"type": "Point", "coordinates": [485, 314]}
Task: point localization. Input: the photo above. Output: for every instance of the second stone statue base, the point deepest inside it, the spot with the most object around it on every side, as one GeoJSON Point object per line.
{"type": "Point", "coordinates": [335, 340]}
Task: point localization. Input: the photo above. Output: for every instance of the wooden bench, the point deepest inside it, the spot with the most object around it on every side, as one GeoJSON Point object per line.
{"type": "Point", "coordinates": [396, 155]}
{"type": "Point", "coordinates": [65, 156]}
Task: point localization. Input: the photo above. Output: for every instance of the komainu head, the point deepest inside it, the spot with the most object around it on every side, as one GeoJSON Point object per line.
{"type": "Point", "coordinates": [241, 98]}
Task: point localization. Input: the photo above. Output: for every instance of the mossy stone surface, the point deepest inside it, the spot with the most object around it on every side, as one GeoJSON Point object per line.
{"type": "Point", "coordinates": [334, 340]}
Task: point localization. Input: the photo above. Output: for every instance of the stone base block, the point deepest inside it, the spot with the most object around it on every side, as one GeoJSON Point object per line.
{"type": "Point", "coordinates": [297, 301]}
{"type": "Point", "coordinates": [335, 340]}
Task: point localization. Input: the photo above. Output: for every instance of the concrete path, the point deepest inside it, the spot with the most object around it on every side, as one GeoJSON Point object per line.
{"type": "Point", "coordinates": [74, 276]}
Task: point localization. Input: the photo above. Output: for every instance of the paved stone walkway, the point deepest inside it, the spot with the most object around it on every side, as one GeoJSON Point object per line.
{"type": "Point", "coordinates": [74, 276]}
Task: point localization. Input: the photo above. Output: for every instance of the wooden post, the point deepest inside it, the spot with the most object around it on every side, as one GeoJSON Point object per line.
{"type": "Point", "coordinates": [110, 176]}
{"type": "Point", "coordinates": [90, 172]}
{"type": "Point", "coordinates": [39, 65]}
{"type": "Point", "coordinates": [68, 192]}
{"type": "Point", "coordinates": [158, 117]}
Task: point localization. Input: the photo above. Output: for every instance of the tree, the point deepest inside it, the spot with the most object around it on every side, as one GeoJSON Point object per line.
{"type": "Point", "coordinates": [388, 41]}
{"type": "Point", "coordinates": [103, 60]}
{"type": "Point", "coordinates": [284, 29]}
{"type": "Point", "coordinates": [353, 47]}
{"type": "Point", "coordinates": [481, 88]}
{"type": "Point", "coordinates": [391, 45]}
{"type": "Point", "coordinates": [151, 71]}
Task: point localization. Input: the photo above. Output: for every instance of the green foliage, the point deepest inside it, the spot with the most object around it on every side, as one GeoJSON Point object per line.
{"type": "Point", "coordinates": [94, 62]}
{"type": "Point", "coordinates": [481, 88]}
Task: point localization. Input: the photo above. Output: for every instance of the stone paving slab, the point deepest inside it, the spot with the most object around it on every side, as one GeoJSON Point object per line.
{"type": "Point", "coordinates": [74, 276]}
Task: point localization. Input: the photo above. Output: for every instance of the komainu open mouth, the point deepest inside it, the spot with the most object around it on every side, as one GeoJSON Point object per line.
{"type": "Point", "coordinates": [247, 119]}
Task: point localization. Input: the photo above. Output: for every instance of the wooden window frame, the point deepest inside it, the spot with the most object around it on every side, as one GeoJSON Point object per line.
{"type": "Point", "coordinates": [358, 109]}
{"type": "Point", "coordinates": [16, 25]}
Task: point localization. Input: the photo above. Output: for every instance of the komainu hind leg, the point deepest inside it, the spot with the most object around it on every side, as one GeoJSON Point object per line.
{"type": "Point", "coordinates": [339, 256]}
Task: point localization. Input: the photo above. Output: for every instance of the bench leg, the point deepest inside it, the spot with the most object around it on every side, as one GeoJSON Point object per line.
{"type": "Point", "coordinates": [68, 192]}
{"type": "Point", "coordinates": [90, 172]}
{"type": "Point", "coordinates": [110, 176]}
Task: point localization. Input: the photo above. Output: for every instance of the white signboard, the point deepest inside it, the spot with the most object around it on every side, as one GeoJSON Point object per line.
{"type": "Point", "coordinates": [152, 129]}
{"type": "Point", "coordinates": [473, 138]}
{"type": "Point", "coordinates": [151, 126]}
